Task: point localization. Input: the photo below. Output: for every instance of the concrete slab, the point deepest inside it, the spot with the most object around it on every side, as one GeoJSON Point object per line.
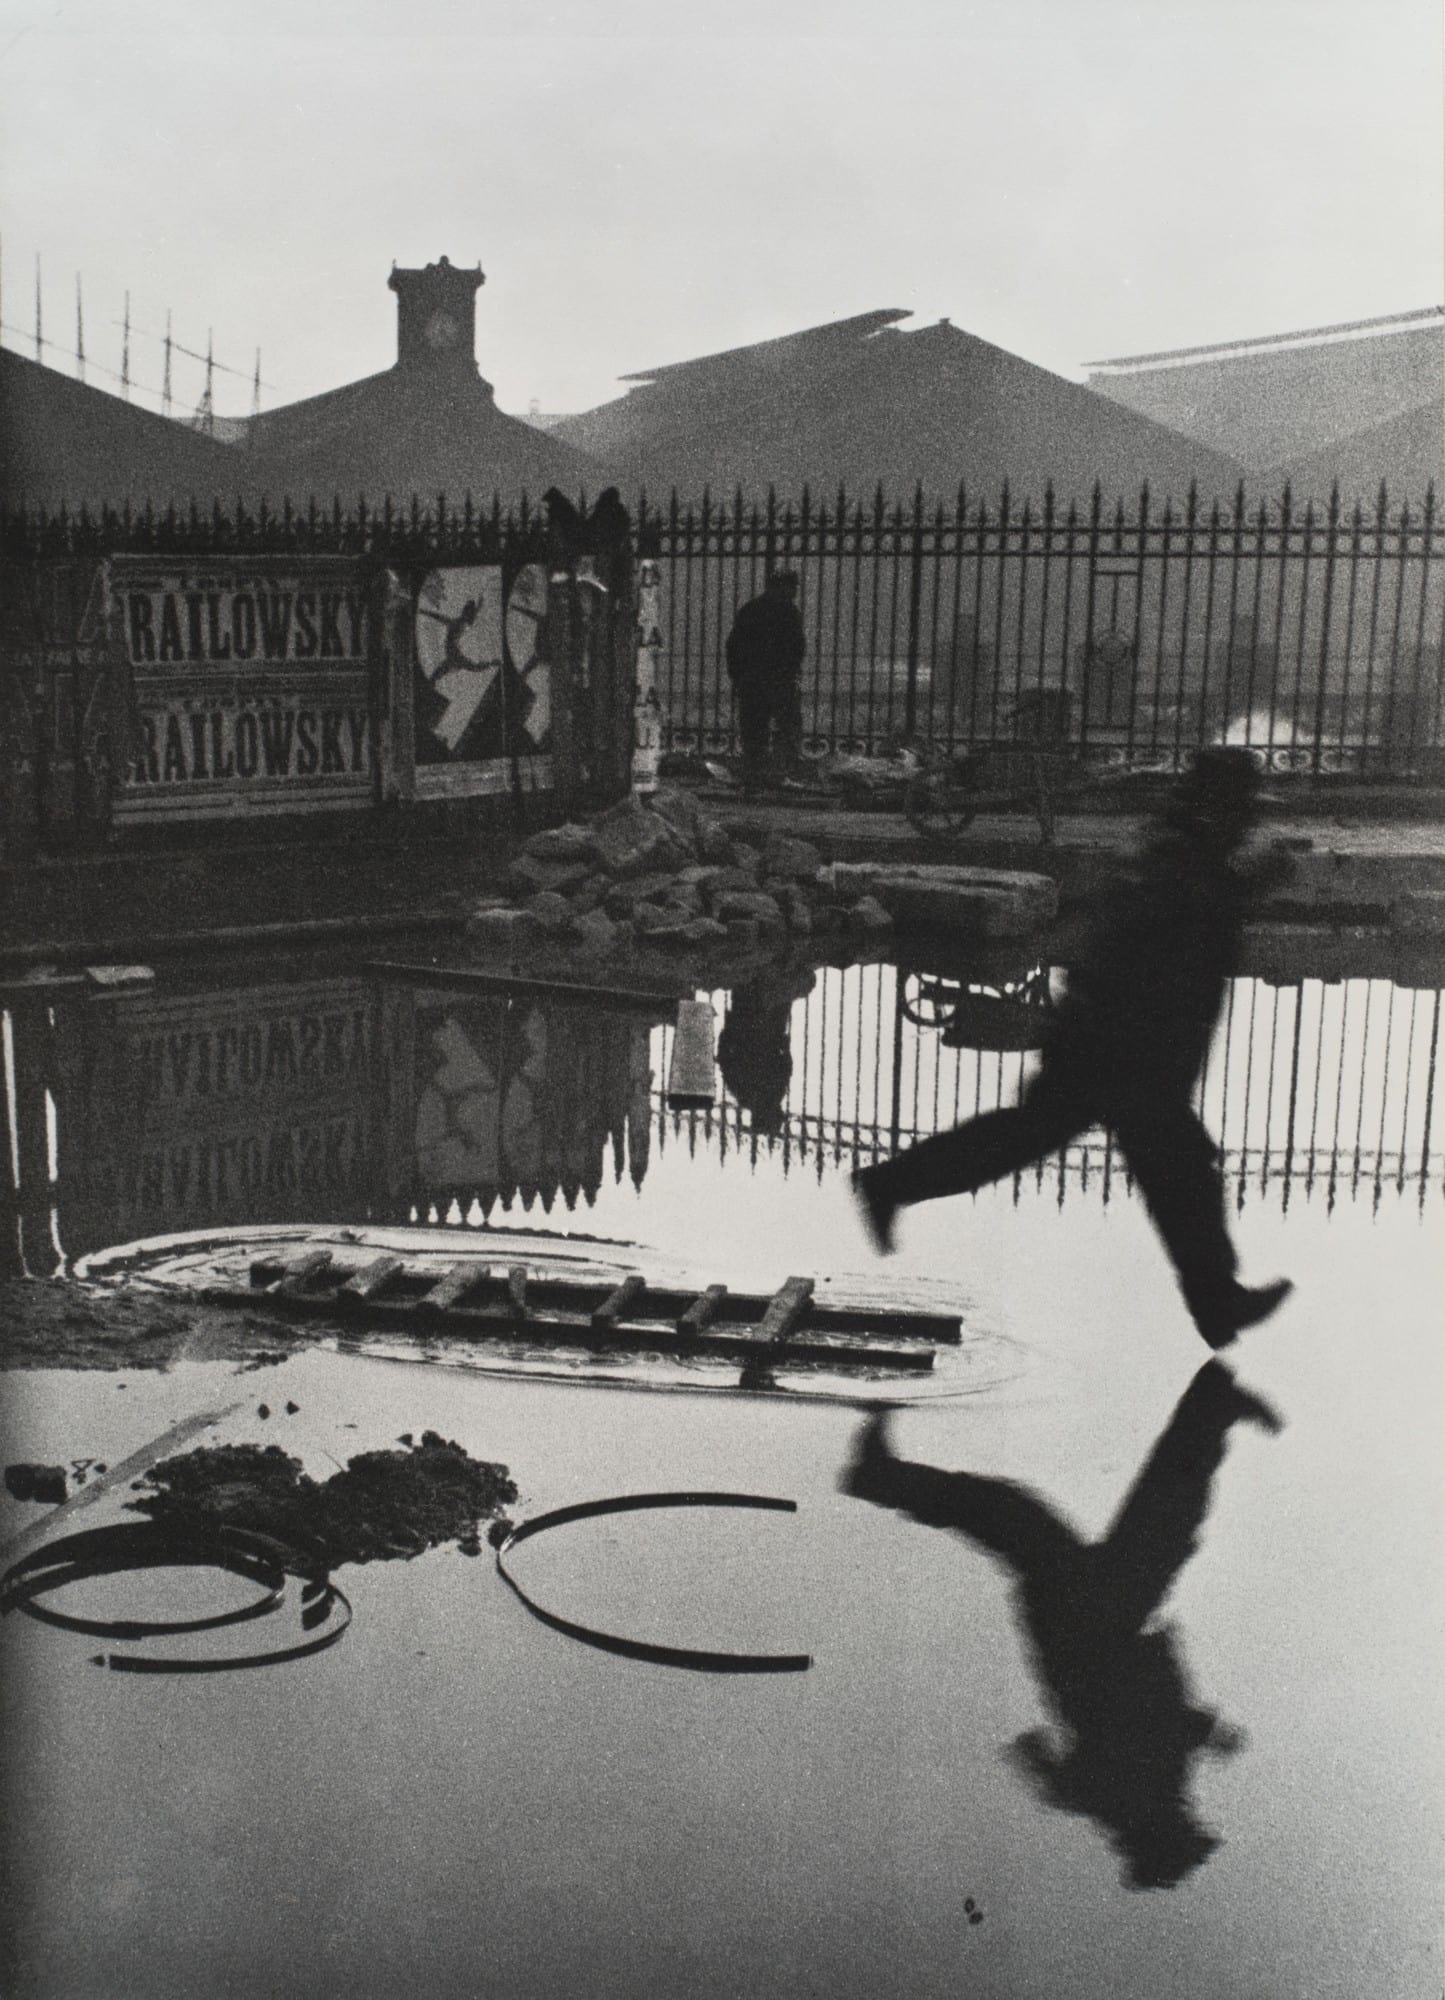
{"type": "Point", "coordinates": [982, 902]}
{"type": "Point", "coordinates": [1419, 913]}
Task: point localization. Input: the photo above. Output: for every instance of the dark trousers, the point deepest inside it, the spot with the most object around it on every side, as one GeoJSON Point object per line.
{"type": "Point", "coordinates": [1167, 1149]}
{"type": "Point", "coordinates": [770, 717]}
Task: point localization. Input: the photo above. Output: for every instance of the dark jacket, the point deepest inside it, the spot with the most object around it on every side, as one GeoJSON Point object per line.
{"type": "Point", "coordinates": [1147, 988]}
{"type": "Point", "coordinates": [766, 642]}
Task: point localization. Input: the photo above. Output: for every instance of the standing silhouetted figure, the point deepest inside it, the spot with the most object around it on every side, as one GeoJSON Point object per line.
{"type": "Point", "coordinates": [754, 1055]}
{"type": "Point", "coordinates": [1128, 1728]}
{"type": "Point", "coordinates": [1127, 1046]}
{"type": "Point", "coordinates": [764, 660]}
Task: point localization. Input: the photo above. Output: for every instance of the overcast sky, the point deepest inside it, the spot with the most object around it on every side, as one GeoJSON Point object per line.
{"type": "Point", "coordinates": [644, 181]}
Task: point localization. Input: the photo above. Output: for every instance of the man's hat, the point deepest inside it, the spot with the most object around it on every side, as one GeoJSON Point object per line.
{"type": "Point", "coordinates": [783, 579]}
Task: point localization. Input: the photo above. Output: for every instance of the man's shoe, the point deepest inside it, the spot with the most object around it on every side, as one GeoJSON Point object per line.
{"type": "Point", "coordinates": [1243, 1306]}
{"type": "Point", "coordinates": [1252, 1409]}
{"type": "Point", "coordinates": [1217, 1387]}
{"type": "Point", "coordinates": [877, 1211]}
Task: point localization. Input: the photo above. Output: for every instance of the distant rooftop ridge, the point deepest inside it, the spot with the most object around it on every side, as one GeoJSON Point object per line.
{"type": "Point", "coordinates": [1383, 324]}
{"type": "Point", "coordinates": [859, 327]}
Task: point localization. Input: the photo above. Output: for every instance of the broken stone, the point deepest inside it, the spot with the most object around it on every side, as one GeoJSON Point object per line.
{"type": "Point", "coordinates": [503, 926]}
{"type": "Point", "coordinates": [633, 841]}
{"type": "Point", "coordinates": [730, 881]}
{"type": "Point", "coordinates": [746, 857]}
{"type": "Point", "coordinates": [703, 931]}
{"type": "Point", "coordinates": [589, 894]}
{"type": "Point", "coordinates": [668, 929]}
{"type": "Point", "coordinates": [650, 918]}
{"type": "Point", "coordinates": [712, 840]}
{"type": "Point", "coordinates": [120, 975]}
{"type": "Point", "coordinates": [684, 897]}
{"type": "Point", "coordinates": [553, 912]}
{"type": "Point", "coordinates": [622, 898]}
{"type": "Point", "coordinates": [527, 875]}
{"type": "Point", "coordinates": [562, 843]}
{"type": "Point", "coordinates": [749, 903]}
{"type": "Point", "coordinates": [679, 810]}
{"type": "Point", "coordinates": [794, 859]}
{"type": "Point", "coordinates": [868, 917]}
{"type": "Point", "coordinates": [596, 932]}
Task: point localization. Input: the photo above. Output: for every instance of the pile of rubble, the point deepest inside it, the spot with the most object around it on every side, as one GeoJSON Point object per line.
{"type": "Point", "coordinates": [666, 877]}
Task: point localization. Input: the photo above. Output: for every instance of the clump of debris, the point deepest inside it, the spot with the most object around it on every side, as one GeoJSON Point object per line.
{"type": "Point", "coordinates": [44, 1483]}
{"type": "Point", "coordinates": [382, 1507]}
{"type": "Point", "coordinates": [663, 877]}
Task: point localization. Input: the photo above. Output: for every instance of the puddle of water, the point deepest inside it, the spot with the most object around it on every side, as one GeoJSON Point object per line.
{"type": "Point", "coordinates": [456, 1797]}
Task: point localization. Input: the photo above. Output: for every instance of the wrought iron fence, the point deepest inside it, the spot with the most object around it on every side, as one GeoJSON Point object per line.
{"type": "Point", "coordinates": [1132, 635]}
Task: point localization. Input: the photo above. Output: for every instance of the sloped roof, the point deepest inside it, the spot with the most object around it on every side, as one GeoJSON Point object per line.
{"type": "Point", "coordinates": [394, 433]}
{"type": "Point", "coordinates": [62, 440]}
{"type": "Point", "coordinates": [782, 349]}
{"type": "Point", "coordinates": [403, 433]}
{"type": "Point", "coordinates": [862, 402]}
{"type": "Point", "coordinates": [1406, 453]}
{"type": "Point", "coordinates": [1286, 397]}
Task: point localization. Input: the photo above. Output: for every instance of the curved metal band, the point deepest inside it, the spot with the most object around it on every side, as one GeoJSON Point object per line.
{"type": "Point", "coordinates": [698, 1659]}
{"type": "Point", "coordinates": [127, 1546]}
{"type": "Point", "coordinates": [133, 1546]}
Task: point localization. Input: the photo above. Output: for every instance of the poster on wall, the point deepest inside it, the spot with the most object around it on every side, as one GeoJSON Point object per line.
{"type": "Point", "coordinates": [482, 684]}
{"type": "Point", "coordinates": [248, 685]}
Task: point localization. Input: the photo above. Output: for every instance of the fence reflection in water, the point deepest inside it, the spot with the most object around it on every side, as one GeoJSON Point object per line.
{"type": "Point", "coordinates": [1320, 1088]}
{"type": "Point", "coordinates": [347, 1101]}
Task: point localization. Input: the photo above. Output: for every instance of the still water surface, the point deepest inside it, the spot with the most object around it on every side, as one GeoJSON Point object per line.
{"type": "Point", "coordinates": [457, 1800]}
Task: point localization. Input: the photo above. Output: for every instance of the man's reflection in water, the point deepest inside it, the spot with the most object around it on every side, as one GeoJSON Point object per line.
{"type": "Point", "coordinates": [753, 1051]}
{"type": "Point", "coordinates": [1128, 1728]}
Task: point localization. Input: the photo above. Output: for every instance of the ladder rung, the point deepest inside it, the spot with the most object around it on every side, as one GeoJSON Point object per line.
{"type": "Point", "coordinates": [368, 1281]}
{"type": "Point", "coordinates": [453, 1285]}
{"type": "Point", "coordinates": [300, 1271]}
{"type": "Point", "coordinates": [702, 1312]}
{"type": "Point", "coordinates": [617, 1301]}
{"type": "Point", "coordinates": [785, 1309]}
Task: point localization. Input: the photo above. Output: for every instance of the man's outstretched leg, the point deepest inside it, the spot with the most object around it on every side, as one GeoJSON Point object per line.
{"type": "Point", "coordinates": [1007, 1519]}
{"type": "Point", "coordinates": [1156, 1529]}
{"type": "Point", "coordinates": [1176, 1164]}
{"type": "Point", "coordinates": [986, 1149]}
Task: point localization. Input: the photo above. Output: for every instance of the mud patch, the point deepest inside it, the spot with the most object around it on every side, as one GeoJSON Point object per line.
{"type": "Point", "coordinates": [58, 1323]}
{"type": "Point", "coordinates": [384, 1506]}
{"type": "Point", "coordinates": [43, 1483]}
